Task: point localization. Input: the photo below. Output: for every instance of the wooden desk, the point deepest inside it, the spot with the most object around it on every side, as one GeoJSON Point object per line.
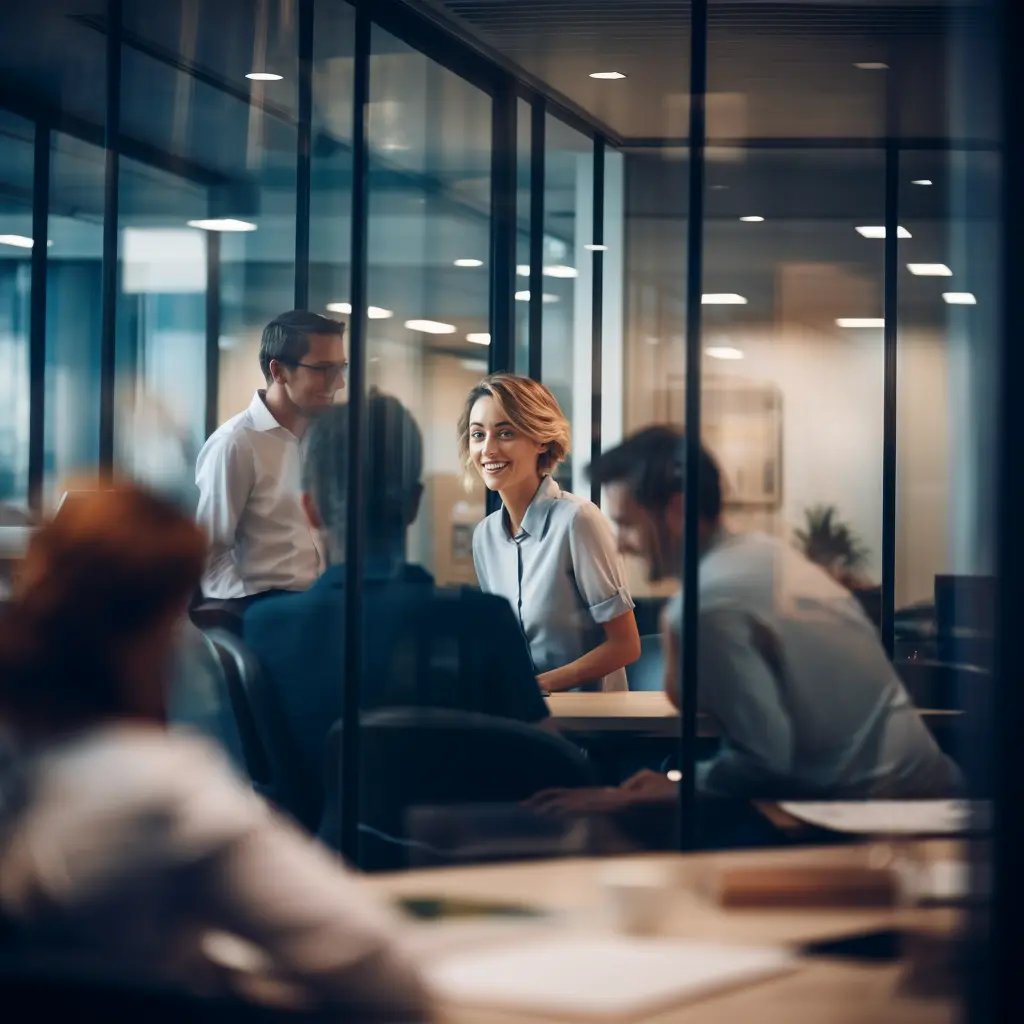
{"type": "Point", "coordinates": [822, 991]}
{"type": "Point", "coordinates": [650, 714]}
{"type": "Point", "coordinates": [643, 713]}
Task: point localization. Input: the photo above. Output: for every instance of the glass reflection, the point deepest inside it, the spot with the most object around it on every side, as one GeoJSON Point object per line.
{"type": "Point", "coordinates": [17, 140]}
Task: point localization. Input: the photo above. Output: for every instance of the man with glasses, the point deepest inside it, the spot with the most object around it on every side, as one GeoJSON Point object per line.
{"type": "Point", "coordinates": [248, 472]}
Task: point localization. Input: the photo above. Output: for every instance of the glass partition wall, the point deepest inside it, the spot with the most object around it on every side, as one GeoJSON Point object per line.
{"type": "Point", "coordinates": [357, 161]}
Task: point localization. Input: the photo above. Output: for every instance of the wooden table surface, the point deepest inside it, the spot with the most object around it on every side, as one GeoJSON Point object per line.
{"type": "Point", "coordinates": [647, 713]}
{"type": "Point", "coordinates": [820, 991]}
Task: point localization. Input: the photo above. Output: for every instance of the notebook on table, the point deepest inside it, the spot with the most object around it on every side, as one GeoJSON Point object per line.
{"type": "Point", "coordinates": [603, 978]}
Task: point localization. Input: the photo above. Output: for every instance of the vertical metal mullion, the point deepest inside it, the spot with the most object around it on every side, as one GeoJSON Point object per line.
{"type": "Point", "coordinates": [688, 830]}
{"type": "Point", "coordinates": [37, 316]}
{"type": "Point", "coordinates": [597, 313]}
{"type": "Point", "coordinates": [353, 669]}
{"type": "Point", "coordinates": [212, 329]}
{"type": "Point", "coordinates": [996, 993]}
{"type": "Point", "coordinates": [537, 156]}
{"type": "Point", "coordinates": [890, 310]}
{"type": "Point", "coordinates": [303, 180]}
{"type": "Point", "coordinates": [503, 228]}
{"type": "Point", "coordinates": [108, 286]}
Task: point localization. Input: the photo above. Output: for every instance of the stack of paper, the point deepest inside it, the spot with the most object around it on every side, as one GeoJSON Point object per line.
{"type": "Point", "coordinates": [892, 817]}
{"type": "Point", "coordinates": [604, 978]}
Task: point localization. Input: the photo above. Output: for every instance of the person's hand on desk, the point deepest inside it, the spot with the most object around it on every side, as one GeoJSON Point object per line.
{"type": "Point", "coordinates": [646, 787]}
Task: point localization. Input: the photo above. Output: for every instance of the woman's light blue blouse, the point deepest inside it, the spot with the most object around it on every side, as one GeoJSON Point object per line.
{"type": "Point", "coordinates": [561, 573]}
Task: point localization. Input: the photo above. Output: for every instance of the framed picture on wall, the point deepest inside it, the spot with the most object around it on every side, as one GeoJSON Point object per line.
{"type": "Point", "coordinates": [742, 427]}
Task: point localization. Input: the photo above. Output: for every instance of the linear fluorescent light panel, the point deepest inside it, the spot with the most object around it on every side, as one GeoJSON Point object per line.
{"type": "Point", "coordinates": [860, 321]}
{"type": "Point", "coordinates": [430, 326]}
{"type": "Point", "coordinates": [878, 231]}
{"type": "Point", "coordinates": [929, 270]}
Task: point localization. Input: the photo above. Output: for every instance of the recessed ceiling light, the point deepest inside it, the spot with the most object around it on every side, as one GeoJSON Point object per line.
{"type": "Point", "coordinates": [752, 219]}
{"type": "Point", "coordinates": [222, 224]}
{"type": "Point", "coordinates": [860, 321]}
{"type": "Point", "coordinates": [922, 181]}
{"type": "Point", "coordinates": [594, 247]}
{"type": "Point", "coordinates": [264, 76]}
{"type": "Point", "coordinates": [560, 270]}
{"type": "Point", "coordinates": [722, 299]}
{"type": "Point", "coordinates": [607, 74]}
{"type": "Point", "coordinates": [525, 297]}
{"type": "Point", "coordinates": [479, 338]}
{"type": "Point", "coordinates": [523, 269]}
{"type": "Point", "coordinates": [878, 231]}
{"type": "Point", "coordinates": [871, 65]}
{"type": "Point", "coordinates": [18, 241]}
{"type": "Point", "coordinates": [469, 263]}
{"type": "Point", "coordinates": [960, 298]}
{"type": "Point", "coordinates": [430, 326]}
{"type": "Point", "coordinates": [718, 188]}
{"type": "Point", "coordinates": [373, 312]}
{"type": "Point", "coordinates": [723, 352]}
{"type": "Point", "coordinates": [929, 269]}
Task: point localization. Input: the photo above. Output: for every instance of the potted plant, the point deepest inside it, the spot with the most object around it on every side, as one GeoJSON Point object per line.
{"type": "Point", "coordinates": [829, 542]}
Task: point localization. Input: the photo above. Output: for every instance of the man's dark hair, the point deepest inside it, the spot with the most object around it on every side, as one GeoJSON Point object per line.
{"type": "Point", "coordinates": [286, 337]}
{"type": "Point", "coordinates": [393, 458]}
{"type": "Point", "coordinates": [652, 465]}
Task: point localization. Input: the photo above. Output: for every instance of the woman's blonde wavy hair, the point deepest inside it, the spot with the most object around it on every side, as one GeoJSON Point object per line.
{"type": "Point", "coordinates": [530, 407]}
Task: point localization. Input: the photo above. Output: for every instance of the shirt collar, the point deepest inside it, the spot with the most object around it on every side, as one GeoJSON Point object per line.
{"type": "Point", "coordinates": [537, 513]}
{"type": "Point", "coordinates": [262, 417]}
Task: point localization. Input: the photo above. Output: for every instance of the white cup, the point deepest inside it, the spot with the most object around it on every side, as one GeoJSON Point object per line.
{"type": "Point", "coordinates": [637, 895]}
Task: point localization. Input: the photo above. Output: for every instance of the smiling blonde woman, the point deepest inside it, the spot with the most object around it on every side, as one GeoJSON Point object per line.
{"type": "Point", "coordinates": [549, 552]}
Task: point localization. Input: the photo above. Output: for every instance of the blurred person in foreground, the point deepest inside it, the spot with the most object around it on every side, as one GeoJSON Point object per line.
{"type": "Point", "coordinates": [808, 704]}
{"type": "Point", "coordinates": [126, 843]}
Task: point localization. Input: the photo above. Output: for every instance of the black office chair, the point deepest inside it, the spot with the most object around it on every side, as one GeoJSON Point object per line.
{"type": "Point", "coordinates": [648, 671]}
{"type": "Point", "coordinates": [270, 757]}
{"type": "Point", "coordinates": [963, 688]}
{"type": "Point", "coordinates": [937, 684]}
{"type": "Point", "coordinates": [416, 757]}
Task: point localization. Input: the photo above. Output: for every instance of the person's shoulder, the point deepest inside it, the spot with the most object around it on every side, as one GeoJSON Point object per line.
{"type": "Point", "coordinates": [582, 517]}
{"type": "Point", "coordinates": [489, 526]}
{"type": "Point", "coordinates": [231, 434]}
{"type": "Point", "coordinates": [135, 765]}
{"type": "Point", "coordinates": [157, 793]}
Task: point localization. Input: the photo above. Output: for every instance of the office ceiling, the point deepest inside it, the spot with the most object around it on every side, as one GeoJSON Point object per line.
{"type": "Point", "coordinates": [775, 69]}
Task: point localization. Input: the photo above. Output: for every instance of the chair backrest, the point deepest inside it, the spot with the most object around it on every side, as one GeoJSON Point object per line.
{"type": "Point", "coordinates": [937, 684]}
{"type": "Point", "coordinates": [270, 757]}
{"type": "Point", "coordinates": [648, 671]}
{"type": "Point", "coordinates": [414, 757]}
{"type": "Point", "coordinates": [964, 618]}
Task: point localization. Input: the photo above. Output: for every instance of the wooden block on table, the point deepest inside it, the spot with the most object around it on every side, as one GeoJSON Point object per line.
{"type": "Point", "coordinates": [806, 886]}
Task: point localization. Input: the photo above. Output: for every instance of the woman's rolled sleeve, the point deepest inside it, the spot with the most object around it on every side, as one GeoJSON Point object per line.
{"type": "Point", "coordinates": [600, 574]}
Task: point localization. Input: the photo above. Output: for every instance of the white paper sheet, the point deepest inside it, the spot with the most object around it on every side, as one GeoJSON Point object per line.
{"type": "Point", "coordinates": [892, 817]}
{"type": "Point", "coordinates": [603, 978]}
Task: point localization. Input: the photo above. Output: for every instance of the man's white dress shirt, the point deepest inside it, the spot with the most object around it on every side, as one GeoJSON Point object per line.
{"type": "Point", "coordinates": [249, 479]}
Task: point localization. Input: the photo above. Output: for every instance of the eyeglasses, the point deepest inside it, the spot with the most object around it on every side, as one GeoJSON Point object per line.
{"type": "Point", "coordinates": [329, 371]}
